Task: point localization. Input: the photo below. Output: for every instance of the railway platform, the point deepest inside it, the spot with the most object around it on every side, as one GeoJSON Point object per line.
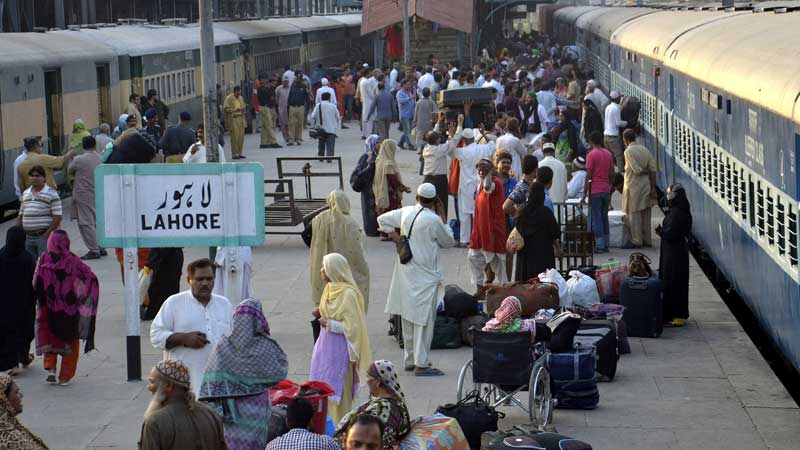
{"type": "Point", "coordinates": [701, 387]}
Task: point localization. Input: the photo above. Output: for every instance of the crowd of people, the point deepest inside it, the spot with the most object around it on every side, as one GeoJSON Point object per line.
{"type": "Point", "coordinates": [556, 139]}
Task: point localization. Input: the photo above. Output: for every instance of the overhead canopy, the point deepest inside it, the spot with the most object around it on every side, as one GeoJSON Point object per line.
{"type": "Point", "coordinates": [456, 14]}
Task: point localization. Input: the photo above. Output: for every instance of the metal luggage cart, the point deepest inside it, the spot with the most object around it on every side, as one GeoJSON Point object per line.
{"type": "Point", "coordinates": [577, 240]}
{"type": "Point", "coordinates": [502, 367]}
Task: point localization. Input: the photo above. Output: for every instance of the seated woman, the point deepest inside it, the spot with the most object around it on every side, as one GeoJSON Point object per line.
{"type": "Point", "coordinates": [507, 319]}
{"type": "Point", "coordinates": [12, 433]}
{"type": "Point", "coordinates": [386, 402]}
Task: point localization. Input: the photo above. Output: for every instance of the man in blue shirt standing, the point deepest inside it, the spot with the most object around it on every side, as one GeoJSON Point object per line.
{"type": "Point", "coordinates": [406, 104]}
{"type": "Point", "coordinates": [381, 112]}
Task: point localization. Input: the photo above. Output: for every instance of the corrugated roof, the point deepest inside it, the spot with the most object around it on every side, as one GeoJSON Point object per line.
{"type": "Point", "coordinates": [20, 49]}
{"type": "Point", "coordinates": [754, 56]}
{"type": "Point", "coordinates": [650, 35]}
{"type": "Point", "coordinates": [456, 14]}
{"type": "Point", "coordinates": [137, 40]}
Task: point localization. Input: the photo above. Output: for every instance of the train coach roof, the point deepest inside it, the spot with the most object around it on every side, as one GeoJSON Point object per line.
{"type": "Point", "coordinates": [570, 14]}
{"type": "Point", "coordinates": [604, 21]}
{"type": "Point", "coordinates": [313, 23]}
{"type": "Point", "coordinates": [350, 20]}
{"type": "Point", "coordinates": [756, 57]}
{"type": "Point", "coordinates": [138, 40]}
{"type": "Point", "coordinates": [47, 49]}
{"type": "Point", "coordinates": [652, 34]}
{"type": "Point", "coordinates": [256, 29]}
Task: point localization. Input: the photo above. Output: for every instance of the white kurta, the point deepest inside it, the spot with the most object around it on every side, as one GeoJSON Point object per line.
{"type": "Point", "coordinates": [182, 313]}
{"type": "Point", "coordinates": [417, 286]}
{"type": "Point", "coordinates": [369, 90]}
{"type": "Point", "coordinates": [558, 191]}
{"type": "Point", "coordinates": [513, 145]}
{"type": "Point", "coordinates": [244, 270]}
{"type": "Point", "coordinates": [468, 175]}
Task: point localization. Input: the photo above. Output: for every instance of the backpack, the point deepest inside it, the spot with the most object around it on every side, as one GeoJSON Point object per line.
{"type": "Point", "coordinates": [639, 266]}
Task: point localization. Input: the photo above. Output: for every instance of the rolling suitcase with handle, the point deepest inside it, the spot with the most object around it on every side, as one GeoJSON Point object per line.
{"type": "Point", "coordinates": [602, 335]}
{"type": "Point", "coordinates": [642, 300]}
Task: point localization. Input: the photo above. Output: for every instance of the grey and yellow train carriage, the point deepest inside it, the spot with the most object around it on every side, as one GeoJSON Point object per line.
{"type": "Point", "coordinates": [323, 40]}
{"type": "Point", "coordinates": [167, 59]}
{"type": "Point", "coordinates": [268, 45]}
{"type": "Point", "coordinates": [47, 81]}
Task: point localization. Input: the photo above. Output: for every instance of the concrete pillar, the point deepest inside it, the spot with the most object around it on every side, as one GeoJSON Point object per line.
{"type": "Point", "coordinates": [59, 14]}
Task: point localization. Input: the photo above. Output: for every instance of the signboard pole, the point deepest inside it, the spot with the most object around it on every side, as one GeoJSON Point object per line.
{"type": "Point", "coordinates": [132, 344]}
{"type": "Point", "coordinates": [406, 34]}
{"type": "Point", "coordinates": [208, 66]}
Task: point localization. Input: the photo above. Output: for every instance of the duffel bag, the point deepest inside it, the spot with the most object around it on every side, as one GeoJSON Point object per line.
{"type": "Point", "coordinates": [477, 322]}
{"type": "Point", "coordinates": [459, 304]}
{"type": "Point", "coordinates": [533, 295]}
{"type": "Point", "coordinates": [572, 378]}
{"type": "Point", "coordinates": [602, 335]}
{"type": "Point", "coordinates": [446, 333]}
{"type": "Point", "coordinates": [474, 416]}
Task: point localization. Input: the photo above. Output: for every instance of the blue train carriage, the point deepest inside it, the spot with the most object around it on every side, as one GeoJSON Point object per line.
{"type": "Point", "coordinates": [167, 59]}
{"type": "Point", "coordinates": [741, 157]}
{"type": "Point", "coordinates": [731, 121]}
{"type": "Point", "coordinates": [47, 81]}
{"type": "Point", "coordinates": [565, 32]}
{"type": "Point", "coordinates": [594, 30]}
{"type": "Point", "coordinates": [638, 49]}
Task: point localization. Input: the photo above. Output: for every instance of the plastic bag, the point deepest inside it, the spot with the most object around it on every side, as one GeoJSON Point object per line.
{"type": "Point", "coordinates": [554, 276]}
{"type": "Point", "coordinates": [581, 290]}
{"type": "Point", "coordinates": [609, 280]}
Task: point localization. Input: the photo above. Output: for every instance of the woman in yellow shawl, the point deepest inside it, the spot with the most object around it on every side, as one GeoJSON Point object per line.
{"type": "Point", "coordinates": [387, 185]}
{"type": "Point", "coordinates": [78, 133]}
{"type": "Point", "coordinates": [335, 231]}
{"type": "Point", "coordinates": [342, 354]}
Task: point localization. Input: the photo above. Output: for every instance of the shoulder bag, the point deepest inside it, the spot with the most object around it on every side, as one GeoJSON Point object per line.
{"type": "Point", "coordinates": [404, 245]}
{"type": "Point", "coordinates": [317, 132]}
{"type": "Point", "coordinates": [515, 241]}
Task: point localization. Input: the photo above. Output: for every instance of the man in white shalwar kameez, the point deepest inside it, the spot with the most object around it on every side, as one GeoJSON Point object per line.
{"type": "Point", "coordinates": [369, 90]}
{"type": "Point", "coordinates": [417, 289]}
{"type": "Point", "coordinates": [468, 157]}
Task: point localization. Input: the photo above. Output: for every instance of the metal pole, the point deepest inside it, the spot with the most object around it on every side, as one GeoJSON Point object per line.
{"type": "Point", "coordinates": [209, 84]}
{"type": "Point", "coordinates": [132, 342]}
{"type": "Point", "coordinates": [406, 34]}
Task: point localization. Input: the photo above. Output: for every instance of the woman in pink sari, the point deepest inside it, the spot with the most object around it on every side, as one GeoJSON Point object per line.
{"type": "Point", "coordinates": [67, 293]}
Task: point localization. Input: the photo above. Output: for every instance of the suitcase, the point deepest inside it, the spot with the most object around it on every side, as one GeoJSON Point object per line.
{"type": "Point", "coordinates": [457, 97]}
{"type": "Point", "coordinates": [572, 378]}
{"type": "Point", "coordinates": [533, 295]}
{"type": "Point", "coordinates": [396, 328]}
{"type": "Point", "coordinates": [642, 300]}
{"type": "Point", "coordinates": [602, 335]}
{"type": "Point", "coordinates": [544, 441]}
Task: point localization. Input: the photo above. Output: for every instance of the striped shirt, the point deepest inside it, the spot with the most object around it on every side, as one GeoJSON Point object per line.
{"type": "Point", "coordinates": [39, 208]}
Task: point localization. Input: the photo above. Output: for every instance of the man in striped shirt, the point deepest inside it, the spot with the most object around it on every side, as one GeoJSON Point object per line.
{"type": "Point", "coordinates": [39, 212]}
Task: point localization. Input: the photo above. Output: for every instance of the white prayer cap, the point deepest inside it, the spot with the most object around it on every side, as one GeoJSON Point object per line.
{"type": "Point", "coordinates": [365, 65]}
{"type": "Point", "coordinates": [426, 190]}
{"type": "Point", "coordinates": [324, 81]}
{"type": "Point", "coordinates": [591, 84]}
{"type": "Point", "coordinates": [614, 95]}
{"type": "Point", "coordinates": [468, 133]}
{"type": "Point", "coordinates": [549, 145]}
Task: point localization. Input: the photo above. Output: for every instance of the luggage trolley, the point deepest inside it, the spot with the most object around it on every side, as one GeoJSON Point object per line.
{"type": "Point", "coordinates": [502, 366]}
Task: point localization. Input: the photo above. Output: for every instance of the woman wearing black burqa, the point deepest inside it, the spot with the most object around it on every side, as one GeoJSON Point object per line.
{"type": "Point", "coordinates": [166, 265]}
{"type": "Point", "coordinates": [538, 227]}
{"type": "Point", "coordinates": [361, 181]}
{"type": "Point", "coordinates": [17, 305]}
{"type": "Point", "coordinates": [674, 259]}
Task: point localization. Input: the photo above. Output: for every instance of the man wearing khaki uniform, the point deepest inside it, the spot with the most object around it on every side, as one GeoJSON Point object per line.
{"type": "Point", "coordinates": [267, 103]}
{"type": "Point", "coordinates": [639, 191]}
{"type": "Point", "coordinates": [234, 110]}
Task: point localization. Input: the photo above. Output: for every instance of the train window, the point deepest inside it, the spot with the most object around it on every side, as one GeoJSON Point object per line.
{"type": "Point", "coordinates": [751, 203]}
{"type": "Point", "coordinates": [770, 216]}
{"type": "Point", "coordinates": [735, 188]}
{"type": "Point", "coordinates": [780, 225]}
{"type": "Point", "coordinates": [728, 186]}
{"type": "Point", "coordinates": [792, 235]}
{"type": "Point", "coordinates": [716, 132]}
{"type": "Point", "coordinates": [719, 172]}
{"type": "Point", "coordinates": [761, 213]}
{"type": "Point", "coordinates": [743, 195]}
{"type": "Point", "coordinates": [728, 106]}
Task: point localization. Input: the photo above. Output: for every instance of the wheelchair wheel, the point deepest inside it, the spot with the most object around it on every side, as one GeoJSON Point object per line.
{"type": "Point", "coordinates": [466, 383]}
{"type": "Point", "coordinates": [539, 396]}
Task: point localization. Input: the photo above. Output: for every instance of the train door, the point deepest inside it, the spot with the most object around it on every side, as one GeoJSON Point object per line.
{"type": "Point", "coordinates": [103, 98]}
{"type": "Point", "coordinates": [54, 110]}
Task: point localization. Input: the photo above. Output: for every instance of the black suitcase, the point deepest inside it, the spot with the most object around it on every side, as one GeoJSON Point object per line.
{"type": "Point", "coordinates": [602, 335]}
{"type": "Point", "coordinates": [642, 300]}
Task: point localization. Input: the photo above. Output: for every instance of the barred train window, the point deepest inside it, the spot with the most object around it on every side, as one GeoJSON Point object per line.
{"type": "Point", "coordinates": [736, 188]}
{"type": "Point", "coordinates": [792, 235]}
{"type": "Point", "coordinates": [728, 187]}
{"type": "Point", "coordinates": [780, 225]}
{"type": "Point", "coordinates": [751, 202]}
{"type": "Point", "coordinates": [761, 214]}
{"type": "Point", "coordinates": [769, 217]}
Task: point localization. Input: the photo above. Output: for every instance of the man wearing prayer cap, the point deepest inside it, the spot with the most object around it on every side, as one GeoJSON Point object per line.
{"type": "Point", "coordinates": [417, 290]}
{"type": "Point", "coordinates": [326, 88]}
{"type": "Point", "coordinates": [487, 245]}
{"type": "Point", "coordinates": [174, 419]}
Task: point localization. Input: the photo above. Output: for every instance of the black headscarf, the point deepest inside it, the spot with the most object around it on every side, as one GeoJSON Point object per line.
{"type": "Point", "coordinates": [528, 214]}
{"type": "Point", "coordinates": [15, 243]}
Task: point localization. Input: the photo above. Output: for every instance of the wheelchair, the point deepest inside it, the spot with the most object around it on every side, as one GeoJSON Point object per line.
{"type": "Point", "coordinates": [502, 366]}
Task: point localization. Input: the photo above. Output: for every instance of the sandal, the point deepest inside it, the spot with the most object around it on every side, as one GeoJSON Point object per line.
{"type": "Point", "coordinates": [428, 372]}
